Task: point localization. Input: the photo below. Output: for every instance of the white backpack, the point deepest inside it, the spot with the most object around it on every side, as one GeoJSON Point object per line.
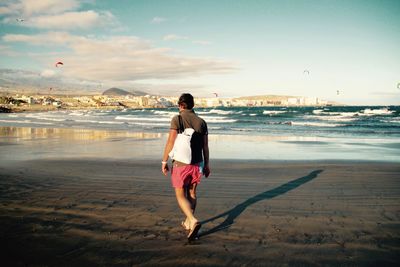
{"type": "Point", "coordinates": [182, 150]}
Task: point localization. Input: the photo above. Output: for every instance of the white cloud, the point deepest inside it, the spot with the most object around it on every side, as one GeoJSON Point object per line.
{"type": "Point", "coordinates": [30, 7]}
{"type": "Point", "coordinates": [158, 20]}
{"type": "Point", "coordinates": [53, 14]}
{"type": "Point", "coordinates": [8, 51]}
{"type": "Point", "coordinates": [67, 20]}
{"type": "Point", "coordinates": [48, 73]}
{"type": "Point", "coordinates": [172, 37]}
{"type": "Point", "coordinates": [5, 10]}
{"type": "Point", "coordinates": [10, 7]}
{"type": "Point", "coordinates": [39, 39]}
{"type": "Point", "coordinates": [121, 58]}
{"type": "Point", "coordinates": [200, 42]}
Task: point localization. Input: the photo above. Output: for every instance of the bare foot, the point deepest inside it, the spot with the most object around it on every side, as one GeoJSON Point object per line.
{"type": "Point", "coordinates": [186, 225]}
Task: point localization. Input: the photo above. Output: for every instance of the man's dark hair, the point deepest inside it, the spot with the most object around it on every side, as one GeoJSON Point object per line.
{"type": "Point", "coordinates": [186, 100]}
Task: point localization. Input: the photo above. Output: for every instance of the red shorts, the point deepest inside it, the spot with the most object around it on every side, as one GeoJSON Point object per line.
{"type": "Point", "coordinates": [185, 175]}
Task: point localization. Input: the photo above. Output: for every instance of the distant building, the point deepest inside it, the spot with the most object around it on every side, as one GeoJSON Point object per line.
{"type": "Point", "coordinates": [57, 103]}
{"type": "Point", "coordinates": [165, 102]}
{"type": "Point", "coordinates": [85, 100]}
{"type": "Point", "coordinates": [47, 101]}
{"type": "Point", "coordinates": [310, 101]}
{"type": "Point", "coordinates": [28, 99]}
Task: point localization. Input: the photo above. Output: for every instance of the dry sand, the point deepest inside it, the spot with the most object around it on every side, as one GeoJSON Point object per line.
{"type": "Point", "coordinates": [83, 212]}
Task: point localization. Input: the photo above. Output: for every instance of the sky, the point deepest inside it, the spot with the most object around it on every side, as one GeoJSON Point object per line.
{"type": "Point", "coordinates": [346, 51]}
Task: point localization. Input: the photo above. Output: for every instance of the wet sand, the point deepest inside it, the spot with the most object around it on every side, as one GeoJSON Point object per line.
{"type": "Point", "coordinates": [99, 212]}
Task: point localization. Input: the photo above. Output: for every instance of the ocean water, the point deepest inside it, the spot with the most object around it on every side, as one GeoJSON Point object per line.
{"type": "Point", "coordinates": [381, 122]}
{"type": "Point", "coordinates": [334, 132]}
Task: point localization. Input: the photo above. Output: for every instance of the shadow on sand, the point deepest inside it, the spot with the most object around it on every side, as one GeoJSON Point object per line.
{"type": "Point", "coordinates": [236, 211]}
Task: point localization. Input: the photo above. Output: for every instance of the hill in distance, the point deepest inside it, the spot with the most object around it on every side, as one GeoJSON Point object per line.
{"type": "Point", "coordinates": [120, 92]}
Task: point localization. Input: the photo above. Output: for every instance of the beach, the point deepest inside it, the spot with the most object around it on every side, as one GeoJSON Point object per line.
{"type": "Point", "coordinates": [292, 107]}
{"type": "Point", "coordinates": [98, 198]}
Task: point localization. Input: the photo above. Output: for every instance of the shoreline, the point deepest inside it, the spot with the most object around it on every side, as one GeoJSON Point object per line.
{"type": "Point", "coordinates": [27, 142]}
{"type": "Point", "coordinates": [91, 212]}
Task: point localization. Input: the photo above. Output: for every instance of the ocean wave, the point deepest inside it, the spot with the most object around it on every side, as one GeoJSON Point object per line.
{"type": "Point", "coordinates": [14, 115]}
{"type": "Point", "coordinates": [273, 112]}
{"type": "Point", "coordinates": [45, 118]}
{"type": "Point", "coordinates": [76, 114]}
{"type": "Point", "coordinates": [86, 121]}
{"type": "Point", "coordinates": [396, 120]}
{"type": "Point", "coordinates": [161, 112]}
{"type": "Point", "coordinates": [199, 112]}
{"type": "Point", "coordinates": [318, 111]}
{"type": "Point", "coordinates": [279, 123]}
{"type": "Point", "coordinates": [316, 124]}
{"type": "Point", "coordinates": [53, 119]}
{"type": "Point", "coordinates": [362, 112]}
{"type": "Point", "coordinates": [340, 118]}
{"type": "Point", "coordinates": [321, 112]}
{"type": "Point", "coordinates": [242, 130]}
{"type": "Point", "coordinates": [217, 128]}
{"type": "Point", "coordinates": [16, 121]}
{"type": "Point", "coordinates": [34, 115]}
{"type": "Point", "coordinates": [104, 113]}
{"type": "Point", "coordinates": [135, 118]}
{"type": "Point", "coordinates": [381, 111]}
{"type": "Point", "coordinates": [348, 114]}
{"type": "Point", "coordinates": [148, 124]}
{"type": "Point", "coordinates": [221, 112]}
{"type": "Point", "coordinates": [111, 122]}
{"type": "Point", "coordinates": [220, 120]}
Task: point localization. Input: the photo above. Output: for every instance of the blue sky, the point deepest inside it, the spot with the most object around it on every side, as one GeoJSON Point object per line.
{"type": "Point", "coordinates": [236, 48]}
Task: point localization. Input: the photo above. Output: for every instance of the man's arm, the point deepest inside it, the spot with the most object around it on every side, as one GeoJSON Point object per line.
{"type": "Point", "coordinates": [168, 147]}
{"type": "Point", "coordinates": [206, 155]}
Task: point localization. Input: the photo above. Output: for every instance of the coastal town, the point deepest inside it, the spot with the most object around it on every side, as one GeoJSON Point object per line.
{"type": "Point", "coordinates": [114, 99]}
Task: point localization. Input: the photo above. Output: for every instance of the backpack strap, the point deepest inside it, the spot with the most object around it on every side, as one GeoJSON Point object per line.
{"type": "Point", "coordinates": [181, 128]}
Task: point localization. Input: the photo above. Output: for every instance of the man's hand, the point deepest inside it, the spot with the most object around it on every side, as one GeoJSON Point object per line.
{"type": "Point", "coordinates": [164, 168]}
{"type": "Point", "coordinates": [206, 171]}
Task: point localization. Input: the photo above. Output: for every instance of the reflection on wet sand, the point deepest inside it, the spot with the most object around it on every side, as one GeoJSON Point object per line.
{"type": "Point", "coordinates": [27, 143]}
{"type": "Point", "coordinates": [71, 134]}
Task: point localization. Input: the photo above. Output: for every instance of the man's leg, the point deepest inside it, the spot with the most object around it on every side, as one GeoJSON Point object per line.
{"type": "Point", "coordinates": [192, 196]}
{"type": "Point", "coordinates": [186, 207]}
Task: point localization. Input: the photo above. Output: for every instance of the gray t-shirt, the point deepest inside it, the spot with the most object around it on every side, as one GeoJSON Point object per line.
{"type": "Point", "coordinates": [191, 120]}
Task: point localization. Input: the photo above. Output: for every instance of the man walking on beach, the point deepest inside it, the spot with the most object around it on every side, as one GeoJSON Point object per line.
{"type": "Point", "coordinates": [186, 177]}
